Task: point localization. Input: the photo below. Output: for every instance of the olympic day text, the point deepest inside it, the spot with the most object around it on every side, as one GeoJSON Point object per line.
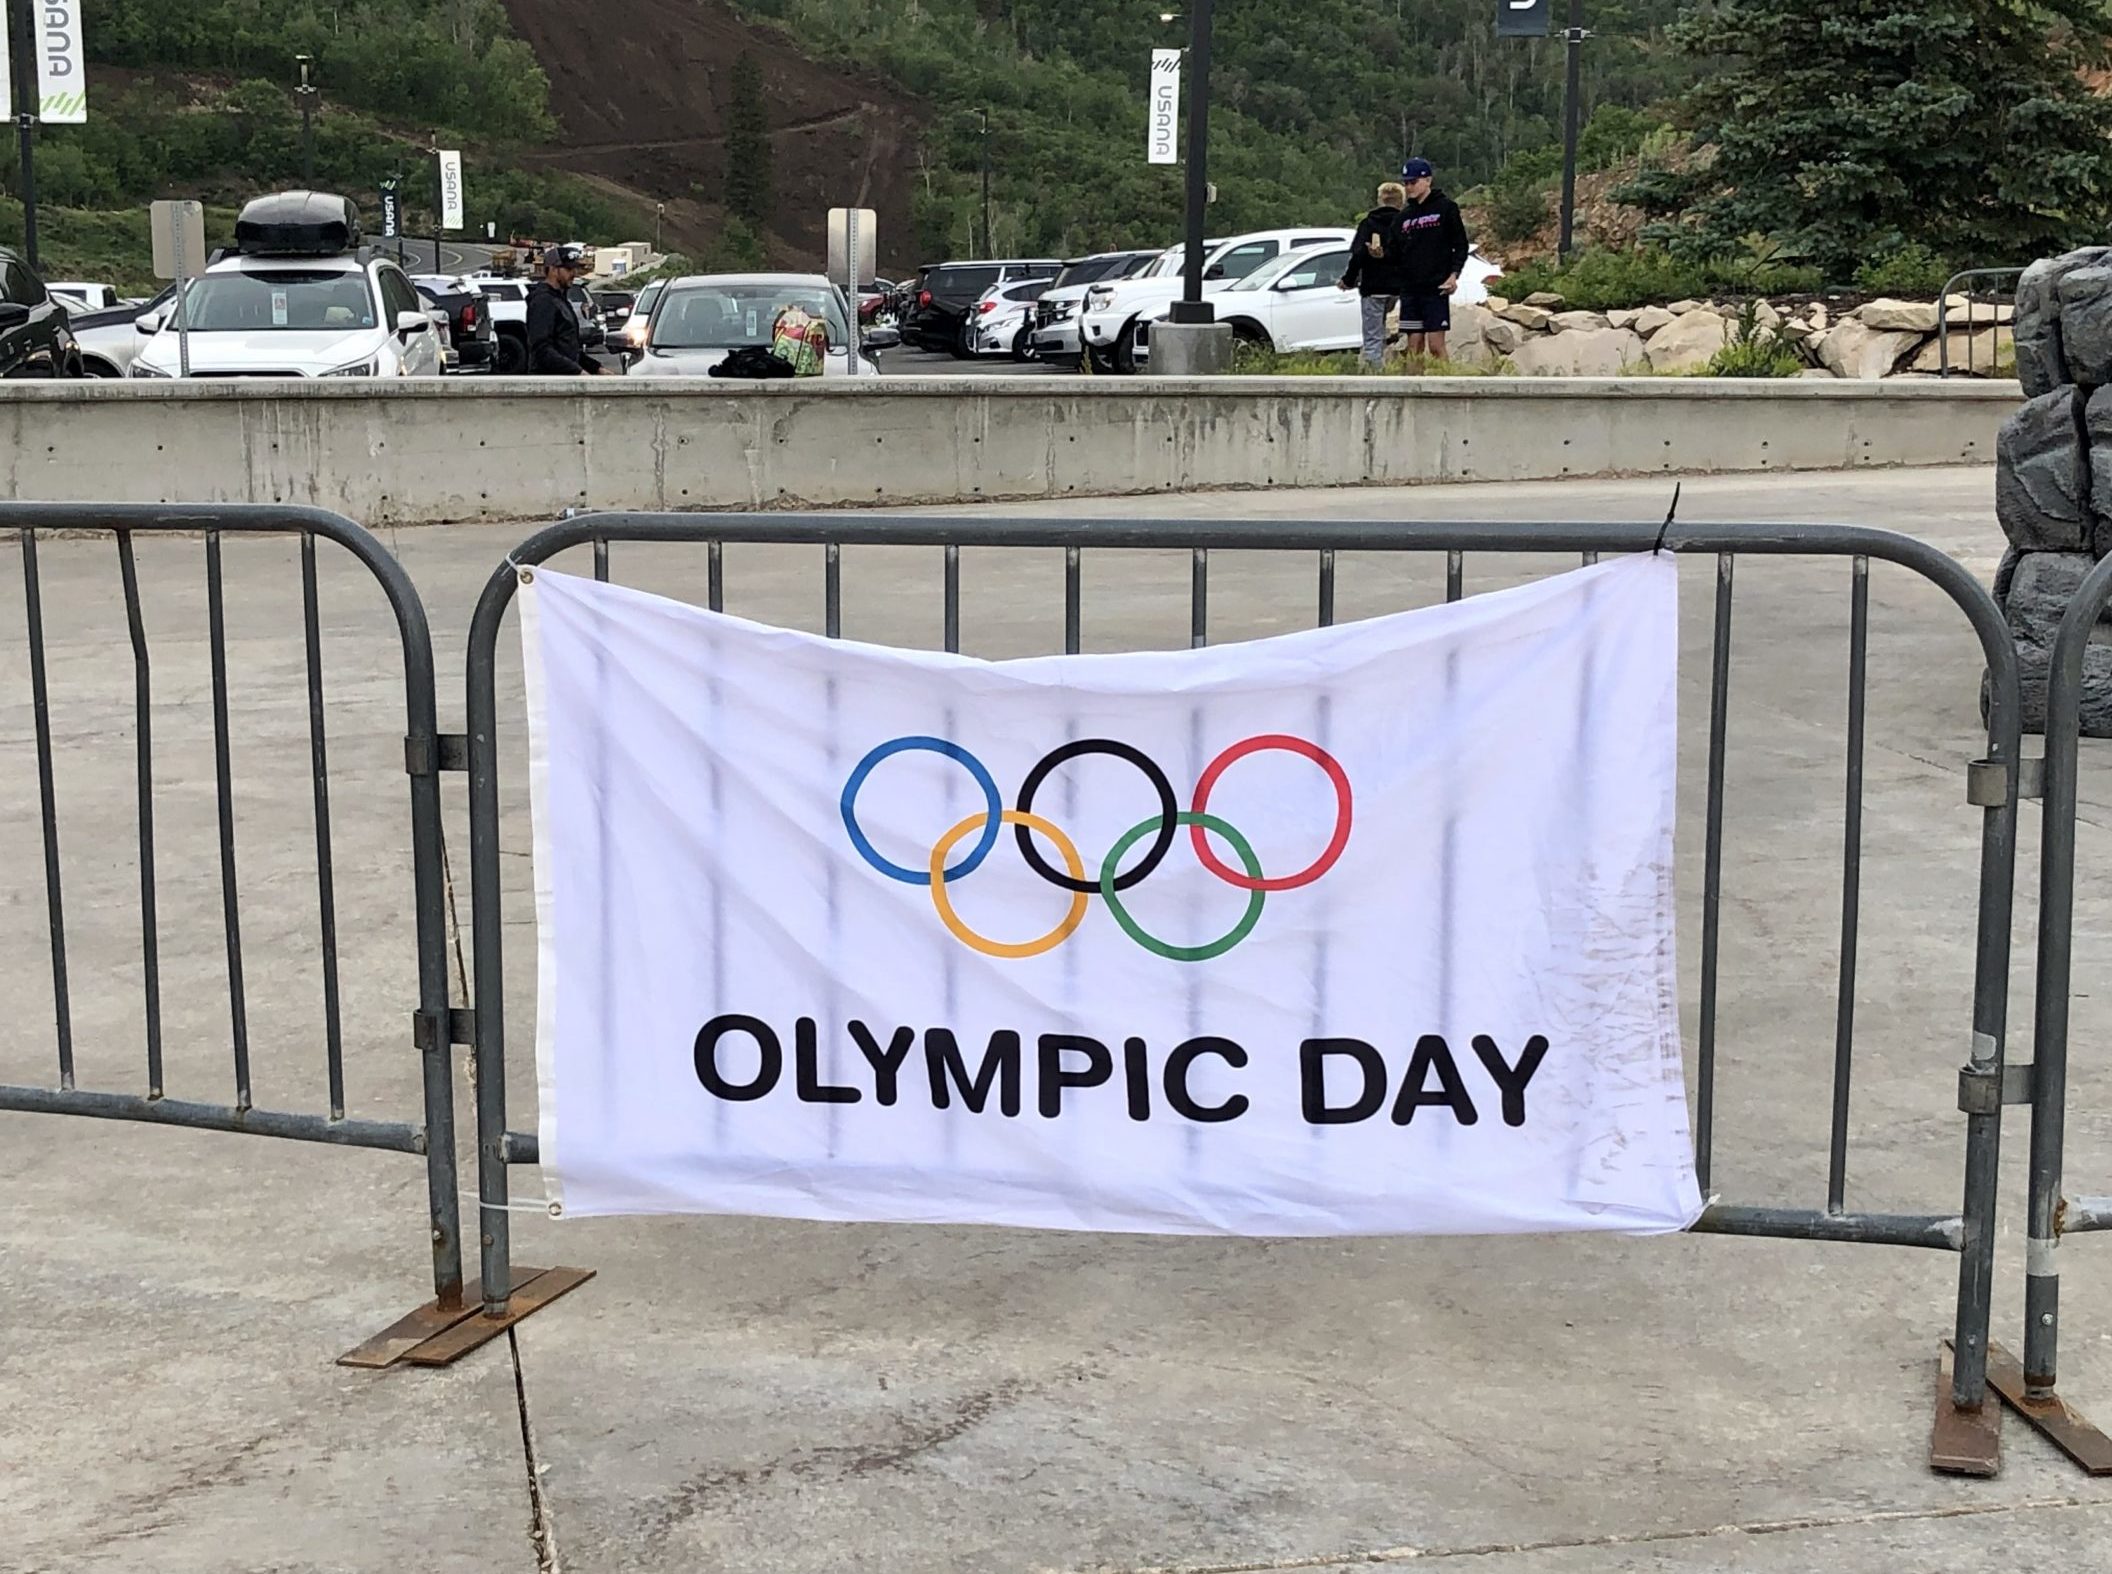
{"type": "Point", "coordinates": [1341, 1081]}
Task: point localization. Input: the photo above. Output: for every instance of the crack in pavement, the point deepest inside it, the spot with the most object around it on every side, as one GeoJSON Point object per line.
{"type": "Point", "coordinates": [1381, 1556]}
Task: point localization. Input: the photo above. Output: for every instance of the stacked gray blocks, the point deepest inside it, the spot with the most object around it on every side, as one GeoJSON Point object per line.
{"type": "Point", "coordinates": [2053, 473]}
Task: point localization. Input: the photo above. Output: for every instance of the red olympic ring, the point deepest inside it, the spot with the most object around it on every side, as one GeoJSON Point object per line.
{"type": "Point", "coordinates": [1238, 751]}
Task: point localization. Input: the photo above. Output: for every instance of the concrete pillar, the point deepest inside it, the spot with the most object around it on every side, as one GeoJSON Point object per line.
{"type": "Point", "coordinates": [1190, 349]}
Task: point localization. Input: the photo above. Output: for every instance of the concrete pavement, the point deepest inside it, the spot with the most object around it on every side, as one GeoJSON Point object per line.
{"type": "Point", "coordinates": [753, 1395]}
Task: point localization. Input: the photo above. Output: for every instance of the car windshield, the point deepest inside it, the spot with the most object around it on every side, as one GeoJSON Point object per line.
{"type": "Point", "coordinates": [1261, 278]}
{"type": "Point", "coordinates": [970, 282]}
{"type": "Point", "coordinates": [1169, 262]}
{"type": "Point", "coordinates": [298, 301]}
{"type": "Point", "coordinates": [1086, 272]}
{"type": "Point", "coordinates": [646, 297]}
{"type": "Point", "coordinates": [729, 316]}
{"type": "Point", "coordinates": [505, 292]}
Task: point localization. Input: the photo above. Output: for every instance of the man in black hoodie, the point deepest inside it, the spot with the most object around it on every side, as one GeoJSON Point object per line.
{"type": "Point", "coordinates": [1433, 248]}
{"type": "Point", "coordinates": [1373, 271]}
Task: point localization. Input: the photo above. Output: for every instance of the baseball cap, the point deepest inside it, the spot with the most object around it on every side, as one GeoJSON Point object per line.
{"type": "Point", "coordinates": [1417, 169]}
{"type": "Point", "coordinates": [564, 256]}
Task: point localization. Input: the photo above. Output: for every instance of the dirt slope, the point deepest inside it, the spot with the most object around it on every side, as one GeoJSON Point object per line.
{"type": "Point", "coordinates": [641, 88]}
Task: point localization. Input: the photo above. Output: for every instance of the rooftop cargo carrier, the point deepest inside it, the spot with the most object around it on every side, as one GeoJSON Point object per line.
{"type": "Point", "coordinates": [297, 224]}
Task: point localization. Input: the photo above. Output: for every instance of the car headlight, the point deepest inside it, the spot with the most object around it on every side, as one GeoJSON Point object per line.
{"type": "Point", "coordinates": [366, 368]}
{"type": "Point", "coordinates": [142, 369]}
{"type": "Point", "coordinates": [1098, 297]}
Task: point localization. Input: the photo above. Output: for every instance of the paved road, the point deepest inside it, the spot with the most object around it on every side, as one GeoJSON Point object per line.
{"type": "Point", "coordinates": [792, 1399]}
{"type": "Point", "coordinates": [906, 362]}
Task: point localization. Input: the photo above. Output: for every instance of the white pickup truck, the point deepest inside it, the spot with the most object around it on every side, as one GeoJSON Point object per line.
{"type": "Point", "coordinates": [1115, 311]}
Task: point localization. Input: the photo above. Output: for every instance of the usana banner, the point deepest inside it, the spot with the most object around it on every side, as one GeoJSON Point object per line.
{"type": "Point", "coordinates": [1367, 929]}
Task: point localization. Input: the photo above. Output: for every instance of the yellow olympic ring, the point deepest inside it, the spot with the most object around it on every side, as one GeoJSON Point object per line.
{"type": "Point", "coordinates": [968, 937]}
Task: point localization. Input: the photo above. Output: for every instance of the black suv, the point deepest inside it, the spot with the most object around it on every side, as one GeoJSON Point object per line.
{"type": "Point", "coordinates": [947, 291]}
{"type": "Point", "coordinates": [36, 337]}
{"type": "Point", "coordinates": [468, 317]}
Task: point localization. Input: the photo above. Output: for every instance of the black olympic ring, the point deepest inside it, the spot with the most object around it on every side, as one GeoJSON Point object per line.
{"type": "Point", "coordinates": [1161, 844]}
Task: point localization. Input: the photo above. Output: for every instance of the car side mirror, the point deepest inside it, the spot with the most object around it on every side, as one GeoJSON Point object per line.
{"type": "Point", "coordinates": [413, 322]}
{"type": "Point", "coordinates": [148, 323]}
{"type": "Point", "coordinates": [13, 314]}
{"type": "Point", "coordinates": [876, 339]}
{"type": "Point", "coordinates": [1216, 270]}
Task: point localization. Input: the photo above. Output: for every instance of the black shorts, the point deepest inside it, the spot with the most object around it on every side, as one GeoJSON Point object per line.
{"type": "Point", "coordinates": [1426, 313]}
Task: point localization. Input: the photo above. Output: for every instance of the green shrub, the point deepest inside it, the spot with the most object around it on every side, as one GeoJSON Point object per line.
{"type": "Point", "coordinates": [1754, 351]}
{"type": "Point", "coordinates": [1910, 270]}
{"type": "Point", "coordinates": [1516, 212]}
{"type": "Point", "coordinates": [1649, 275]}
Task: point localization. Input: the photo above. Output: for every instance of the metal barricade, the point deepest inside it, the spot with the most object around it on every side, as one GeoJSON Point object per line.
{"type": "Point", "coordinates": [1966, 1436]}
{"type": "Point", "coordinates": [2052, 1213]}
{"type": "Point", "coordinates": [432, 1136]}
{"type": "Point", "coordinates": [1973, 304]}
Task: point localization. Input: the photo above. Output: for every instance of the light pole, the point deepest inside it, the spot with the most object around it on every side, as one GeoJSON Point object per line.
{"type": "Point", "coordinates": [306, 94]}
{"type": "Point", "coordinates": [989, 241]}
{"type": "Point", "coordinates": [21, 29]}
{"type": "Point", "coordinates": [1191, 307]}
{"type": "Point", "coordinates": [659, 215]}
{"type": "Point", "coordinates": [1574, 36]}
{"type": "Point", "coordinates": [439, 201]}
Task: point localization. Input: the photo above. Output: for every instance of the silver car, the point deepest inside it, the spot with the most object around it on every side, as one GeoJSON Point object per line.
{"type": "Point", "coordinates": [700, 320]}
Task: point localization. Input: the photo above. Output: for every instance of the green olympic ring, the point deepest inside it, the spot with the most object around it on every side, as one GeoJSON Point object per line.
{"type": "Point", "coordinates": [1152, 943]}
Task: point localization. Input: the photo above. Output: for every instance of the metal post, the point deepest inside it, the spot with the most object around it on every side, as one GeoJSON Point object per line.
{"type": "Point", "coordinates": [306, 94]}
{"type": "Point", "coordinates": [22, 40]}
{"type": "Point", "coordinates": [989, 240]}
{"type": "Point", "coordinates": [1575, 49]}
{"type": "Point", "coordinates": [659, 217]}
{"type": "Point", "coordinates": [439, 202]}
{"type": "Point", "coordinates": [1191, 307]}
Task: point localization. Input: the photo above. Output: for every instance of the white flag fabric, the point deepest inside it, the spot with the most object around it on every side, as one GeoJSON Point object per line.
{"type": "Point", "coordinates": [1365, 929]}
{"type": "Point", "coordinates": [62, 69]}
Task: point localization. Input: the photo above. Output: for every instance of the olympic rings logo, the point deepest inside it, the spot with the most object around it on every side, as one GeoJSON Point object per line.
{"type": "Point", "coordinates": [1113, 879]}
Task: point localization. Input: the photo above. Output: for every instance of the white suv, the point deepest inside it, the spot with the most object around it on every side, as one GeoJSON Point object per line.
{"type": "Point", "coordinates": [285, 316]}
{"type": "Point", "coordinates": [1114, 312]}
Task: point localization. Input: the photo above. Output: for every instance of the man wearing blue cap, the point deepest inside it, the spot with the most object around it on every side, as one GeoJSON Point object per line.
{"type": "Point", "coordinates": [1433, 248]}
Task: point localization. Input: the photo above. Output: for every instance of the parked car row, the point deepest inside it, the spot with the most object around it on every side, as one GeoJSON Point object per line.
{"type": "Point", "coordinates": [1277, 289]}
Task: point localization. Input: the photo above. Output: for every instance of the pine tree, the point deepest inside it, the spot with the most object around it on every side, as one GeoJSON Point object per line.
{"type": "Point", "coordinates": [749, 187]}
{"type": "Point", "coordinates": [1848, 131]}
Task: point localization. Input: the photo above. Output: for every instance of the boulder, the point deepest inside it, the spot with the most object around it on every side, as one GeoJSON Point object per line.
{"type": "Point", "coordinates": [1766, 316]}
{"type": "Point", "coordinates": [2035, 591]}
{"type": "Point", "coordinates": [2083, 298]}
{"type": "Point", "coordinates": [1547, 300]}
{"type": "Point", "coordinates": [1681, 308]}
{"type": "Point", "coordinates": [1855, 349]}
{"type": "Point", "coordinates": [2097, 430]}
{"type": "Point", "coordinates": [1687, 343]}
{"type": "Point", "coordinates": [1970, 353]}
{"type": "Point", "coordinates": [1528, 316]}
{"type": "Point", "coordinates": [1601, 352]}
{"type": "Point", "coordinates": [1794, 331]}
{"type": "Point", "coordinates": [1468, 342]}
{"type": "Point", "coordinates": [1620, 319]}
{"type": "Point", "coordinates": [1577, 322]}
{"type": "Point", "coordinates": [1500, 333]}
{"type": "Point", "coordinates": [1815, 371]}
{"type": "Point", "coordinates": [1496, 303]}
{"type": "Point", "coordinates": [2040, 364]}
{"type": "Point", "coordinates": [1649, 320]}
{"type": "Point", "coordinates": [1819, 316]}
{"type": "Point", "coordinates": [2040, 483]}
{"type": "Point", "coordinates": [1890, 316]}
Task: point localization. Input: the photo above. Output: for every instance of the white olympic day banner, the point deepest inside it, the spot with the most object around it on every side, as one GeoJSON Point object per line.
{"type": "Point", "coordinates": [450, 189]}
{"type": "Point", "coordinates": [1162, 137]}
{"type": "Point", "coordinates": [62, 70]}
{"type": "Point", "coordinates": [1364, 929]}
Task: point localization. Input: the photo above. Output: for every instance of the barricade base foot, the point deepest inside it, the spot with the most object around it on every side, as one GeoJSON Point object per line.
{"type": "Point", "coordinates": [1963, 1442]}
{"type": "Point", "coordinates": [2060, 1424]}
{"type": "Point", "coordinates": [436, 1335]}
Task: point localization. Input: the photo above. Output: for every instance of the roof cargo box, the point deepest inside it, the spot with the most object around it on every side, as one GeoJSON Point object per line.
{"type": "Point", "coordinates": [297, 224]}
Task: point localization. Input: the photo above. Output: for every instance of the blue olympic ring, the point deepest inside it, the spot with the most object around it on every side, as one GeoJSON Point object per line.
{"type": "Point", "coordinates": [953, 751]}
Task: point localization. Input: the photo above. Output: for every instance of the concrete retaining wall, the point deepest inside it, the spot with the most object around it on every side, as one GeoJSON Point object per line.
{"type": "Point", "coordinates": [521, 448]}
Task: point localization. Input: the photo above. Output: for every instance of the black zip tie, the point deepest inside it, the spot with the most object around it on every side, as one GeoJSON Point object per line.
{"type": "Point", "coordinates": [1667, 525]}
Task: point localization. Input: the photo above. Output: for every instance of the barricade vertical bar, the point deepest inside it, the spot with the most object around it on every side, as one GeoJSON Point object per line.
{"type": "Point", "coordinates": [715, 576]}
{"type": "Point", "coordinates": [230, 901]}
{"type": "Point", "coordinates": [1455, 574]}
{"type": "Point", "coordinates": [143, 731]}
{"type": "Point", "coordinates": [953, 598]}
{"type": "Point", "coordinates": [1590, 558]}
{"type": "Point", "coordinates": [2049, 1056]}
{"type": "Point", "coordinates": [40, 704]}
{"type": "Point", "coordinates": [1712, 873]}
{"type": "Point", "coordinates": [1851, 884]}
{"type": "Point", "coordinates": [832, 591]}
{"type": "Point", "coordinates": [325, 874]}
{"type": "Point", "coordinates": [1199, 598]}
{"type": "Point", "coordinates": [1071, 597]}
{"type": "Point", "coordinates": [601, 558]}
{"type": "Point", "coordinates": [1327, 587]}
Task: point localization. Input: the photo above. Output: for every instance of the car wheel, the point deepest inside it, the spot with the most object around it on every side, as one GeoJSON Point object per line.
{"type": "Point", "coordinates": [1096, 360]}
{"type": "Point", "coordinates": [73, 366]}
{"type": "Point", "coordinates": [961, 349]}
{"type": "Point", "coordinates": [510, 355]}
{"type": "Point", "coordinates": [1251, 335]}
{"type": "Point", "coordinates": [1023, 344]}
{"type": "Point", "coordinates": [1126, 350]}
